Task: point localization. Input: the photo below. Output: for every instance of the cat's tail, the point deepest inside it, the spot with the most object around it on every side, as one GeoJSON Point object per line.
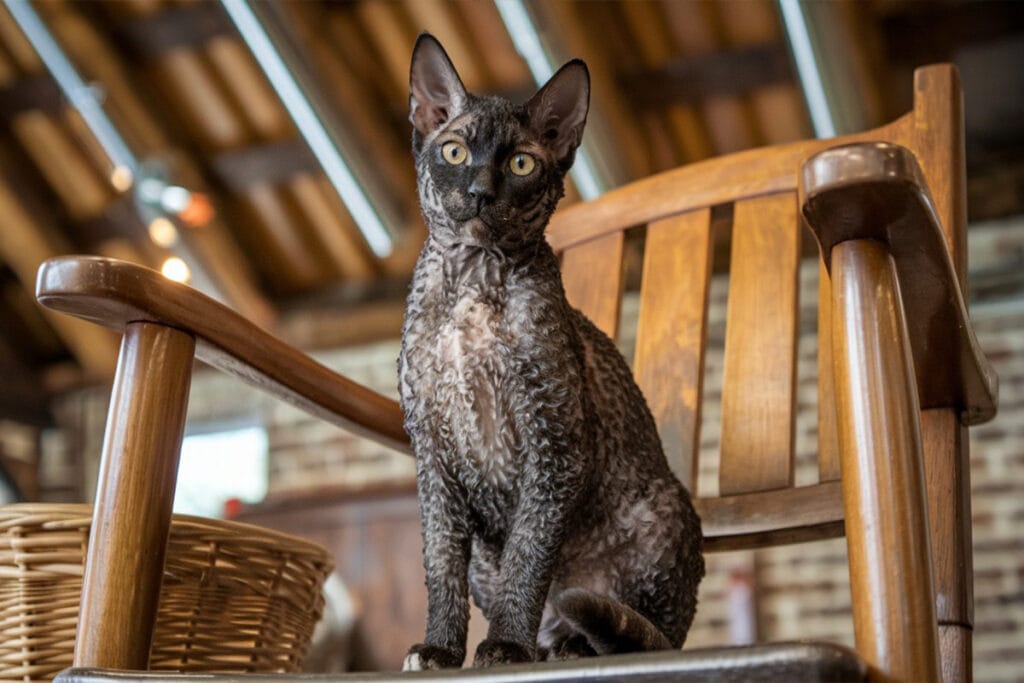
{"type": "Point", "coordinates": [608, 625]}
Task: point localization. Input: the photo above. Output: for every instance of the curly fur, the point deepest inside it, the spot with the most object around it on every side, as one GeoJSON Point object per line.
{"type": "Point", "coordinates": [539, 464]}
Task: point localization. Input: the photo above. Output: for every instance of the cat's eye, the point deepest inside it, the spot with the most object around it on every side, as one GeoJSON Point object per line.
{"type": "Point", "coordinates": [522, 164]}
{"type": "Point", "coordinates": [454, 153]}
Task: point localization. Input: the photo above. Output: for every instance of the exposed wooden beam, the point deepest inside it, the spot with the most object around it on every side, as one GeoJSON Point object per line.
{"type": "Point", "coordinates": [261, 164]}
{"type": "Point", "coordinates": [241, 77]}
{"type": "Point", "coordinates": [61, 160]}
{"type": "Point", "coordinates": [728, 119]}
{"type": "Point", "coordinates": [183, 26]}
{"type": "Point", "coordinates": [780, 111]}
{"type": "Point", "coordinates": [682, 122]}
{"type": "Point", "coordinates": [214, 254]}
{"type": "Point", "coordinates": [691, 80]}
{"type": "Point", "coordinates": [23, 247]}
{"type": "Point", "coordinates": [30, 93]}
{"type": "Point", "coordinates": [508, 70]}
{"type": "Point", "coordinates": [619, 136]}
{"type": "Point", "coordinates": [291, 163]}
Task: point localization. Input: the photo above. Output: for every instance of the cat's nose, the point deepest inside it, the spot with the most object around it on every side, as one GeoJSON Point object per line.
{"type": "Point", "coordinates": [483, 186]}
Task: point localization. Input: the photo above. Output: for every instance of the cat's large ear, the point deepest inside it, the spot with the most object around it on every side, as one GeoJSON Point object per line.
{"type": "Point", "coordinates": [558, 111]}
{"type": "Point", "coordinates": [436, 93]}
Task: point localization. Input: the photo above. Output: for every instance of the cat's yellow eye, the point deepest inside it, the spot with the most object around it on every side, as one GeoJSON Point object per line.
{"type": "Point", "coordinates": [454, 153]}
{"type": "Point", "coordinates": [522, 164]}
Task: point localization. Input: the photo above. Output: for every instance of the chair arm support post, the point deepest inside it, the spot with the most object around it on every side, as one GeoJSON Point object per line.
{"type": "Point", "coordinates": [134, 497]}
{"type": "Point", "coordinates": [882, 467]}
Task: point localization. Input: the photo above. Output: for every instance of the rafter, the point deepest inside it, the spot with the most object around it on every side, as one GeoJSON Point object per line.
{"type": "Point", "coordinates": [725, 73]}
{"type": "Point", "coordinates": [23, 247]}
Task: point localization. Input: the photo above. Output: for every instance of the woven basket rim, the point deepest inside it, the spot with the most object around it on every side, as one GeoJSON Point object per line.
{"type": "Point", "coordinates": [64, 511]}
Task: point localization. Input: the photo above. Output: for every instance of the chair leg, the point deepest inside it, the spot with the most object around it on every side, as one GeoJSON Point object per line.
{"type": "Point", "coordinates": [947, 472]}
{"type": "Point", "coordinates": [955, 652]}
{"type": "Point", "coordinates": [882, 467]}
{"type": "Point", "coordinates": [134, 496]}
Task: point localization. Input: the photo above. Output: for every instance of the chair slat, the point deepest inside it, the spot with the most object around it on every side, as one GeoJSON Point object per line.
{"type": "Point", "coordinates": [669, 360]}
{"type": "Point", "coordinates": [758, 384]}
{"type": "Point", "coordinates": [828, 439]}
{"type": "Point", "coordinates": [592, 277]}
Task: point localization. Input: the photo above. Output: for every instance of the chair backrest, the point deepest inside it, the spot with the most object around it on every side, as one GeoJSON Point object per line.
{"type": "Point", "coordinates": [757, 191]}
{"type": "Point", "coordinates": [759, 382]}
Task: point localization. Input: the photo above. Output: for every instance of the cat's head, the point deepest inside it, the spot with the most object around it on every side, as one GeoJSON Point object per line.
{"type": "Point", "coordinates": [490, 171]}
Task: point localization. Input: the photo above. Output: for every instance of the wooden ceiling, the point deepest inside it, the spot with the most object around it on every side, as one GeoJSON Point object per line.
{"type": "Point", "coordinates": [674, 82]}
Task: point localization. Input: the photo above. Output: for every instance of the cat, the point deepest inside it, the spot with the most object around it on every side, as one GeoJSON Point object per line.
{"type": "Point", "coordinates": [543, 488]}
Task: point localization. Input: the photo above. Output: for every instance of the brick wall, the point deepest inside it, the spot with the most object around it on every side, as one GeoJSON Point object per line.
{"type": "Point", "coordinates": [801, 590]}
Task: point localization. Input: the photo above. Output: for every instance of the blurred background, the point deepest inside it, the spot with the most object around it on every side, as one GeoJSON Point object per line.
{"type": "Point", "coordinates": [260, 152]}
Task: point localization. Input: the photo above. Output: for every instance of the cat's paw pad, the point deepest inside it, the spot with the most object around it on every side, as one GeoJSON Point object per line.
{"type": "Point", "coordinates": [492, 652]}
{"type": "Point", "coordinates": [423, 657]}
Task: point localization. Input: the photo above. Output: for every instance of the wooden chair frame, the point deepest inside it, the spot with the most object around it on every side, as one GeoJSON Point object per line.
{"type": "Point", "coordinates": [890, 219]}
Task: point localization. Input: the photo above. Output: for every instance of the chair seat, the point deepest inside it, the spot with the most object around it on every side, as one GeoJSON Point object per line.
{"type": "Point", "coordinates": [799, 661]}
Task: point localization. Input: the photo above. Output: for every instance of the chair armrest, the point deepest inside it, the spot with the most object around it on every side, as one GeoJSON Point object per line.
{"type": "Point", "coordinates": [876, 191]}
{"type": "Point", "coordinates": [114, 293]}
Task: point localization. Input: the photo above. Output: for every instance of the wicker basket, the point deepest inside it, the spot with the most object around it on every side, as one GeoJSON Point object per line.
{"type": "Point", "coordinates": [235, 599]}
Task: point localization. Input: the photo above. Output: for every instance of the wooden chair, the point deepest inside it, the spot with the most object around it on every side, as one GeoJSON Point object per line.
{"type": "Point", "coordinates": [900, 378]}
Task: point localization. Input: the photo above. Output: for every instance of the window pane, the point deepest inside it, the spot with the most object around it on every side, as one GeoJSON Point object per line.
{"type": "Point", "coordinates": [221, 465]}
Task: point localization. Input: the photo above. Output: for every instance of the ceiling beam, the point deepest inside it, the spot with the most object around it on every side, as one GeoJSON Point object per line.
{"type": "Point", "coordinates": [30, 93]}
{"type": "Point", "coordinates": [262, 164]}
{"type": "Point", "coordinates": [86, 31]}
{"type": "Point", "coordinates": [23, 247]}
{"type": "Point", "coordinates": [186, 26]}
{"type": "Point", "coordinates": [728, 73]}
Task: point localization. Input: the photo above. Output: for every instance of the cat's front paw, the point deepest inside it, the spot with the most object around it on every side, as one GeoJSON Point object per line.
{"type": "Point", "coordinates": [492, 652]}
{"type": "Point", "coordinates": [422, 657]}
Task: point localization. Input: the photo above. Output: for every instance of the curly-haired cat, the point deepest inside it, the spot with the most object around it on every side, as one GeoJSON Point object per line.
{"type": "Point", "coordinates": [543, 488]}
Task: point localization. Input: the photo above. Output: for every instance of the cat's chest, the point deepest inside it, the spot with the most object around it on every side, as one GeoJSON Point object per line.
{"type": "Point", "coordinates": [471, 337]}
{"type": "Point", "coordinates": [462, 367]}
{"type": "Point", "coordinates": [465, 330]}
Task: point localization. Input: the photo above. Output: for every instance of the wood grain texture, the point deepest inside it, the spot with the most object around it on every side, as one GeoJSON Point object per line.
{"type": "Point", "coordinates": [767, 518]}
{"type": "Point", "coordinates": [828, 440]}
{"type": "Point", "coordinates": [949, 507]}
{"type": "Point", "coordinates": [877, 191]}
{"type": "Point", "coordinates": [115, 293]}
{"type": "Point", "coordinates": [934, 124]}
{"type": "Point", "coordinates": [883, 472]}
{"type": "Point", "coordinates": [937, 139]}
{"type": "Point", "coordinates": [938, 143]}
{"type": "Point", "coordinates": [747, 174]}
{"type": "Point", "coordinates": [592, 277]}
{"type": "Point", "coordinates": [759, 377]}
{"type": "Point", "coordinates": [671, 333]}
{"type": "Point", "coordinates": [955, 650]}
{"type": "Point", "coordinates": [135, 492]}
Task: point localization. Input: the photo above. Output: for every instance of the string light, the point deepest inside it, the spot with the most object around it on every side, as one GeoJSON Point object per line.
{"type": "Point", "coordinates": [176, 269]}
{"type": "Point", "coordinates": [162, 232]}
{"type": "Point", "coordinates": [122, 178]}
